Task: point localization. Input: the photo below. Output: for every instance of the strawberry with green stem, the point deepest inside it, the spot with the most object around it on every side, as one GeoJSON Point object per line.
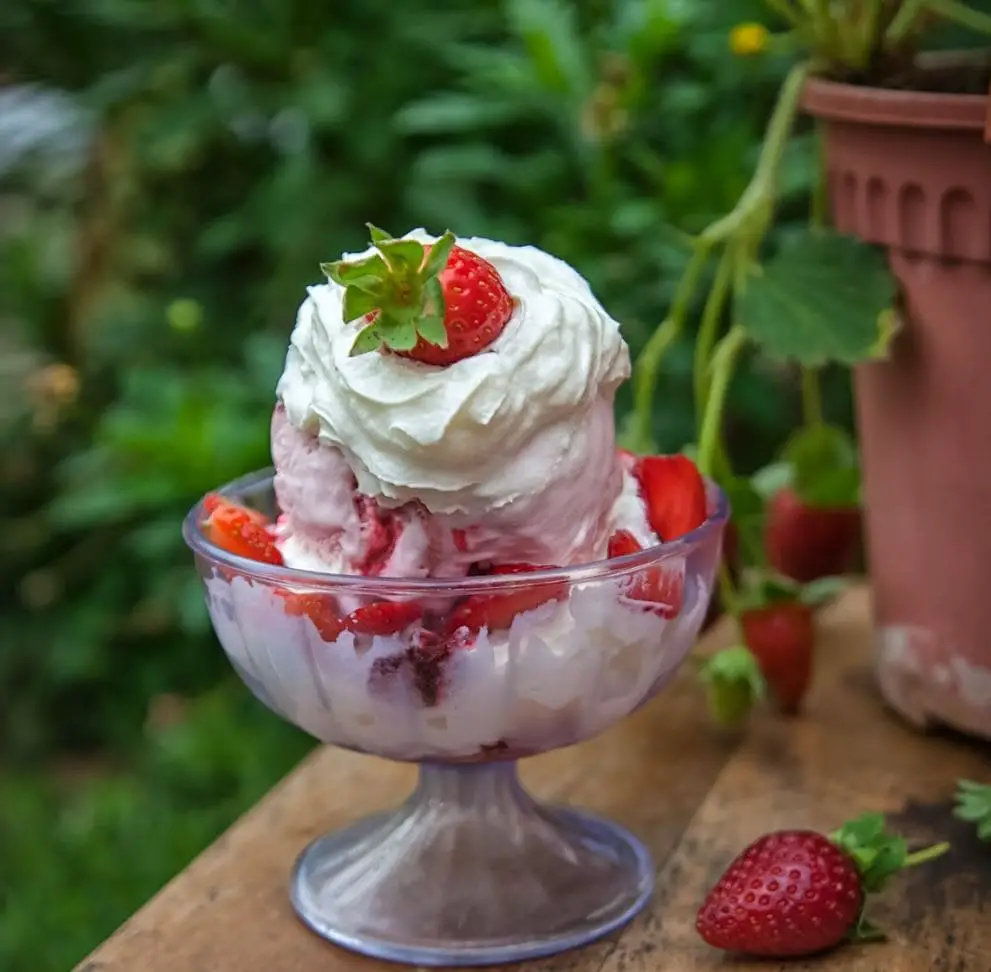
{"type": "Point", "coordinates": [812, 527]}
{"type": "Point", "coordinates": [436, 303]}
{"type": "Point", "coordinates": [797, 892]}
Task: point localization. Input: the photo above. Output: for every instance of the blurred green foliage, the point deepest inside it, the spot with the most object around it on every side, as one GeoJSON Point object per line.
{"type": "Point", "coordinates": [154, 244]}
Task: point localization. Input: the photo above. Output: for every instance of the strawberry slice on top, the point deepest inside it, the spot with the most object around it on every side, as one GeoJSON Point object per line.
{"type": "Point", "coordinates": [435, 303]}
{"type": "Point", "coordinates": [673, 492]}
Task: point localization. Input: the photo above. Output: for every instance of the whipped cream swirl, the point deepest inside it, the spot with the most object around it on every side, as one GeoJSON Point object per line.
{"type": "Point", "coordinates": [530, 414]}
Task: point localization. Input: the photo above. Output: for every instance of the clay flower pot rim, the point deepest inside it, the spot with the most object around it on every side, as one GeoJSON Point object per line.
{"type": "Point", "coordinates": [823, 98]}
{"type": "Point", "coordinates": [887, 107]}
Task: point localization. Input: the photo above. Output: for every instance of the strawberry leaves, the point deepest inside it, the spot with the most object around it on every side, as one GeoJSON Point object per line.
{"type": "Point", "coordinates": [974, 806]}
{"type": "Point", "coordinates": [396, 290]}
{"type": "Point", "coordinates": [823, 298]}
{"type": "Point", "coordinates": [878, 856]}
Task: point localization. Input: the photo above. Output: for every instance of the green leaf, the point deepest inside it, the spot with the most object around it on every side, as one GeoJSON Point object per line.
{"type": "Point", "coordinates": [402, 255]}
{"type": "Point", "coordinates": [764, 588]}
{"type": "Point", "coordinates": [825, 466]}
{"type": "Point", "coordinates": [435, 305]}
{"type": "Point", "coordinates": [431, 328]}
{"type": "Point", "coordinates": [400, 335]}
{"type": "Point", "coordinates": [974, 806]}
{"type": "Point", "coordinates": [367, 339]}
{"type": "Point", "coordinates": [360, 273]}
{"type": "Point", "coordinates": [773, 478]}
{"type": "Point", "coordinates": [378, 235]}
{"type": "Point", "coordinates": [821, 299]}
{"type": "Point", "coordinates": [823, 589]}
{"type": "Point", "coordinates": [358, 303]}
{"type": "Point", "coordinates": [437, 258]}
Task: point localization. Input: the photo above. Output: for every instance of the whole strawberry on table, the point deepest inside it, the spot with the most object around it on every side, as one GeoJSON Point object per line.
{"type": "Point", "coordinates": [797, 892]}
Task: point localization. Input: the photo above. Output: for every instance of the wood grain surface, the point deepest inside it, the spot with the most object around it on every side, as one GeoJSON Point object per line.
{"type": "Point", "coordinates": [695, 796]}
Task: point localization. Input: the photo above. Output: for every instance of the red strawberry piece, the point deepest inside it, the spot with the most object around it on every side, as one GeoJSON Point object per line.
{"type": "Point", "coordinates": [662, 584]}
{"type": "Point", "coordinates": [321, 609]}
{"type": "Point", "coordinates": [435, 303]}
{"type": "Point", "coordinates": [781, 637]}
{"type": "Point", "coordinates": [383, 617]}
{"type": "Point", "coordinates": [239, 530]}
{"type": "Point", "coordinates": [789, 893]}
{"type": "Point", "coordinates": [808, 542]}
{"type": "Point", "coordinates": [497, 611]}
{"type": "Point", "coordinates": [460, 540]}
{"type": "Point", "coordinates": [797, 892]}
{"type": "Point", "coordinates": [673, 492]}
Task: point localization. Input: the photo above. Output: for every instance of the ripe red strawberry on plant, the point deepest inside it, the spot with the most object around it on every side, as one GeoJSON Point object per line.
{"type": "Point", "coordinates": [798, 892]}
{"type": "Point", "coordinates": [436, 302]}
{"type": "Point", "coordinates": [239, 530]}
{"type": "Point", "coordinates": [662, 585]}
{"type": "Point", "coordinates": [812, 525]}
{"type": "Point", "coordinates": [781, 636]}
{"type": "Point", "coordinates": [807, 542]}
{"type": "Point", "coordinates": [497, 611]}
{"type": "Point", "coordinates": [673, 492]}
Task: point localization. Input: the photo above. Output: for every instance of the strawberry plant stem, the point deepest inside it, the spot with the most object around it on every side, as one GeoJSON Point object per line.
{"type": "Point", "coordinates": [649, 360]}
{"type": "Point", "coordinates": [962, 14]}
{"type": "Point", "coordinates": [784, 9]}
{"type": "Point", "coordinates": [926, 854]}
{"type": "Point", "coordinates": [709, 329]}
{"type": "Point", "coordinates": [723, 364]}
{"type": "Point", "coordinates": [903, 22]}
{"type": "Point", "coordinates": [811, 397]}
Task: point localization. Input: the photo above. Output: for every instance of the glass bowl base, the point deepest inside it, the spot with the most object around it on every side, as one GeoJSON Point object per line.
{"type": "Point", "coordinates": [471, 871]}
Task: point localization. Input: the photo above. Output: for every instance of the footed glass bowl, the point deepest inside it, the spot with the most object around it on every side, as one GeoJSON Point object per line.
{"type": "Point", "coordinates": [470, 870]}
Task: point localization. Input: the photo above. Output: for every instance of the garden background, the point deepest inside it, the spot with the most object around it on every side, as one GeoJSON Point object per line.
{"type": "Point", "coordinates": [171, 173]}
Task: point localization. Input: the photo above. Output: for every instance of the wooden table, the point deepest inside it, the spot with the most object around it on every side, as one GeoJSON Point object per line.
{"type": "Point", "coordinates": [694, 795]}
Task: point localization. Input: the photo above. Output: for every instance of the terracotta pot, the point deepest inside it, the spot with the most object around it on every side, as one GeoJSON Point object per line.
{"type": "Point", "coordinates": [912, 172]}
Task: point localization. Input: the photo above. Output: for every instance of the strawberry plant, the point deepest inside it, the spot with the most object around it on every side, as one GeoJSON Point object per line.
{"type": "Point", "coordinates": [817, 300]}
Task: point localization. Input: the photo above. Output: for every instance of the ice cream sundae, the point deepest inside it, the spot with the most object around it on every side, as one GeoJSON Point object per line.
{"type": "Point", "coordinates": [445, 419]}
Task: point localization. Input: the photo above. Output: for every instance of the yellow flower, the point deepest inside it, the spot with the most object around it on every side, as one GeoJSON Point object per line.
{"type": "Point", "coordinates": [748, 39]}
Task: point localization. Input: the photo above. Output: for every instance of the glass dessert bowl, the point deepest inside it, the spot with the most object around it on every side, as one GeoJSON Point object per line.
{"type": "Point", "coordinates": [464, 677]}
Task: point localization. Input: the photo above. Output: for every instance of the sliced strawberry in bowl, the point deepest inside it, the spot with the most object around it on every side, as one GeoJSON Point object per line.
{"type": "Point", "coordinates": [383, 617]}
{"type": "Point", "coordinates": [497, 611]}
{"type": "Point", "coordinates": [660, 585]}
{"type": "Point", "coordinates": [239, 530]}
{"type": "Point", "coordinates": [321, 609]}
{"type": "Point", "coordinates": [673, 492]}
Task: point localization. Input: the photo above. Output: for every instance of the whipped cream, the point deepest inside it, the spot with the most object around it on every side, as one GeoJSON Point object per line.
{"type": "Point", "coordinates": [520, 436]}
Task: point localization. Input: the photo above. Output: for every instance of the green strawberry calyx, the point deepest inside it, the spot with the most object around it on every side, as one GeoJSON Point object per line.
{"type": "Point", "coordinates": [765, 588]}
{"type": "Point", "coordinates": [733, 682]}
{"type": "Point", "coordinates": [820, 463]}
{"type": "Point", "coordinates": [397, 290]}
{"type": "Point", "coordinates": [878, 856]}
{"type": "Point", "coordinates": [974, 806]}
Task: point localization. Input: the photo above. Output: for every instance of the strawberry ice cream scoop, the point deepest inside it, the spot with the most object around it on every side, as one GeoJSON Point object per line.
{"type": "Point", "coordinates": [389, 462]}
